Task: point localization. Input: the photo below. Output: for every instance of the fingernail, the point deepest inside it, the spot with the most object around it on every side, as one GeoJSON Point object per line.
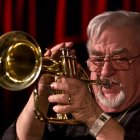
{"type": "Point", "coordinates": [52, 85]}
{"type": "Point", "coordinates": [55, 108]}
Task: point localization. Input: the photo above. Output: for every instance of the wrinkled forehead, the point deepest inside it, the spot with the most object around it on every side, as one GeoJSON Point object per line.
{"type": "Point", "coordinates": [115, 51]}
{"type": "Point", "coordinates": [111, 40]}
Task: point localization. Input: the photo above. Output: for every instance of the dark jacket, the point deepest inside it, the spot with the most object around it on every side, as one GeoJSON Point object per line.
{"type": "Point", "coordinates": [130, 122]}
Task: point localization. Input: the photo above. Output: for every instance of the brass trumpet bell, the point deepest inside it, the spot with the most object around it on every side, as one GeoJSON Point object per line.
{"type": "Point", "coordinates": [20, 60]}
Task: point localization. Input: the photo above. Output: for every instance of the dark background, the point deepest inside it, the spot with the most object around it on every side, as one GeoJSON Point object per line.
{"type": "Point", "coordinates": [50, 22]}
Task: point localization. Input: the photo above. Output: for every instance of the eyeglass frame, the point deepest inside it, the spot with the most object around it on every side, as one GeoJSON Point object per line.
{"type": "Point", "coordinates": [127, 59]}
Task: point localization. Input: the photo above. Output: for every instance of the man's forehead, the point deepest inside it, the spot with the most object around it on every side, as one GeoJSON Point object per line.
{"type": "Point", "coordinates": [119, 37]}
{"type": "Point", "coordinates": [113, 52]}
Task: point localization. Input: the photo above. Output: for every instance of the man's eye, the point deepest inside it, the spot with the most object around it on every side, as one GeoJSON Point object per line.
{"type": "Point", "coordinates": [122, 59]}
{"type": "Point", "coordinates": [99, 59]}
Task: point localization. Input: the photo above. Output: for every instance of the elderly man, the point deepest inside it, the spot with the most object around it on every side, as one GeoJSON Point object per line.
{"type": "Point", "coordinates": [104, 113]}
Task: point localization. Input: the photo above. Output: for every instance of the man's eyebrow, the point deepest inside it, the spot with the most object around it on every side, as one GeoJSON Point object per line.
{"type": "Point", "coordinates": [119, 51]}
{"type": "Point", "coordinates": [95, 52]}
{"type": "Point", "coordinates": [115, 52]}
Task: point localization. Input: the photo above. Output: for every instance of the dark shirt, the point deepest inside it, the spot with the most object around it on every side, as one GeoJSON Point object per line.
{"type": "Point", "coordinates": [130, 122]}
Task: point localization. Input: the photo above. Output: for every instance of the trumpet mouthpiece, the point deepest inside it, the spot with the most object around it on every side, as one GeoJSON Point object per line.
{"type": "Point", "coordinates": [106, 83]}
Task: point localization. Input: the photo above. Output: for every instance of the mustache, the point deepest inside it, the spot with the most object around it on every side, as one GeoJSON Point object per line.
{"type": "Point", "coordinates": [108, 82]}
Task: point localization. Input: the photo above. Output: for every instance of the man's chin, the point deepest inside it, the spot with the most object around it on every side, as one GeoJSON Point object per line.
{"type": "Point", "coordinates": [110, 100]}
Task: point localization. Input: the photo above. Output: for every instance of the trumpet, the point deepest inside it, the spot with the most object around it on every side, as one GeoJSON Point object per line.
{"type": "Point", "coordinates": [21, 62]}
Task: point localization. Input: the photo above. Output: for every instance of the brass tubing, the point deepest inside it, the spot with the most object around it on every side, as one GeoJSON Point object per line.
{"type": "Point", "coordinates": [106, 83]}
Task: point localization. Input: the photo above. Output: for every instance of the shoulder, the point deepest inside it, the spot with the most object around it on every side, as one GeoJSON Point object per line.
{"type": "Point", "coordinates": [131, 123]}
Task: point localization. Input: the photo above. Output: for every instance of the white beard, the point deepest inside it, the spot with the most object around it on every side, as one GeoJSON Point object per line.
{"type": "Point", "coordinates": [112, 102]}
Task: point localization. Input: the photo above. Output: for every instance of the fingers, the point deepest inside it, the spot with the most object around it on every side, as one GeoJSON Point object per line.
{"type": "Point", "coordinates": [67, 101]}
{"type": "Point", "coordinates": [48, 53]}
{"type": "Point", "coordinates": [63, 99]}
{"type": "Point", "coordinates": [64, 104]}
{"type": "Point", "coordinates": [61, 84]}
{"type": "Point", "coordinates": [54, 50]}
{"type": "Point", "coordinates": [63, 109]}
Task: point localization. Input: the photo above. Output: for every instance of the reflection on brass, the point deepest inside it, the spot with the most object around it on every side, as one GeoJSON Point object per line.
{"type": "Point", "coordinates": [21, 62]}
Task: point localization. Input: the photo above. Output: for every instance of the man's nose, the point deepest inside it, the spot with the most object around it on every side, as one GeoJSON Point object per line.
{"type": "Point", "coordinates": [107, 69]}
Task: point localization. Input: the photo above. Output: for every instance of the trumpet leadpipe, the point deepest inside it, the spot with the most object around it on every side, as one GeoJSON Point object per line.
{"type": "Point", "coordinates": [106, 83]}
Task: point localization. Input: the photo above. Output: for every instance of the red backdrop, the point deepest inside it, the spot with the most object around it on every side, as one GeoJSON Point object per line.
{"type": "Point", "coordinates": [49, 22]}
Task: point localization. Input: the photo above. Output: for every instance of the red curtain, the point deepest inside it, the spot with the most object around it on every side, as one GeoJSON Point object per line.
{"type": "Point", "coordinates": [49, 22]}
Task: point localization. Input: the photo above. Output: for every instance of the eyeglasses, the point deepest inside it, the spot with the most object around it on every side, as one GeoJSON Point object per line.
{"type": "Point", "coordinates": [118, 63]}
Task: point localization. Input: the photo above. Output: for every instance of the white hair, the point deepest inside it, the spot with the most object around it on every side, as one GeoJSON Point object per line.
{"type": "Point", "coordinates": [112, 18]}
